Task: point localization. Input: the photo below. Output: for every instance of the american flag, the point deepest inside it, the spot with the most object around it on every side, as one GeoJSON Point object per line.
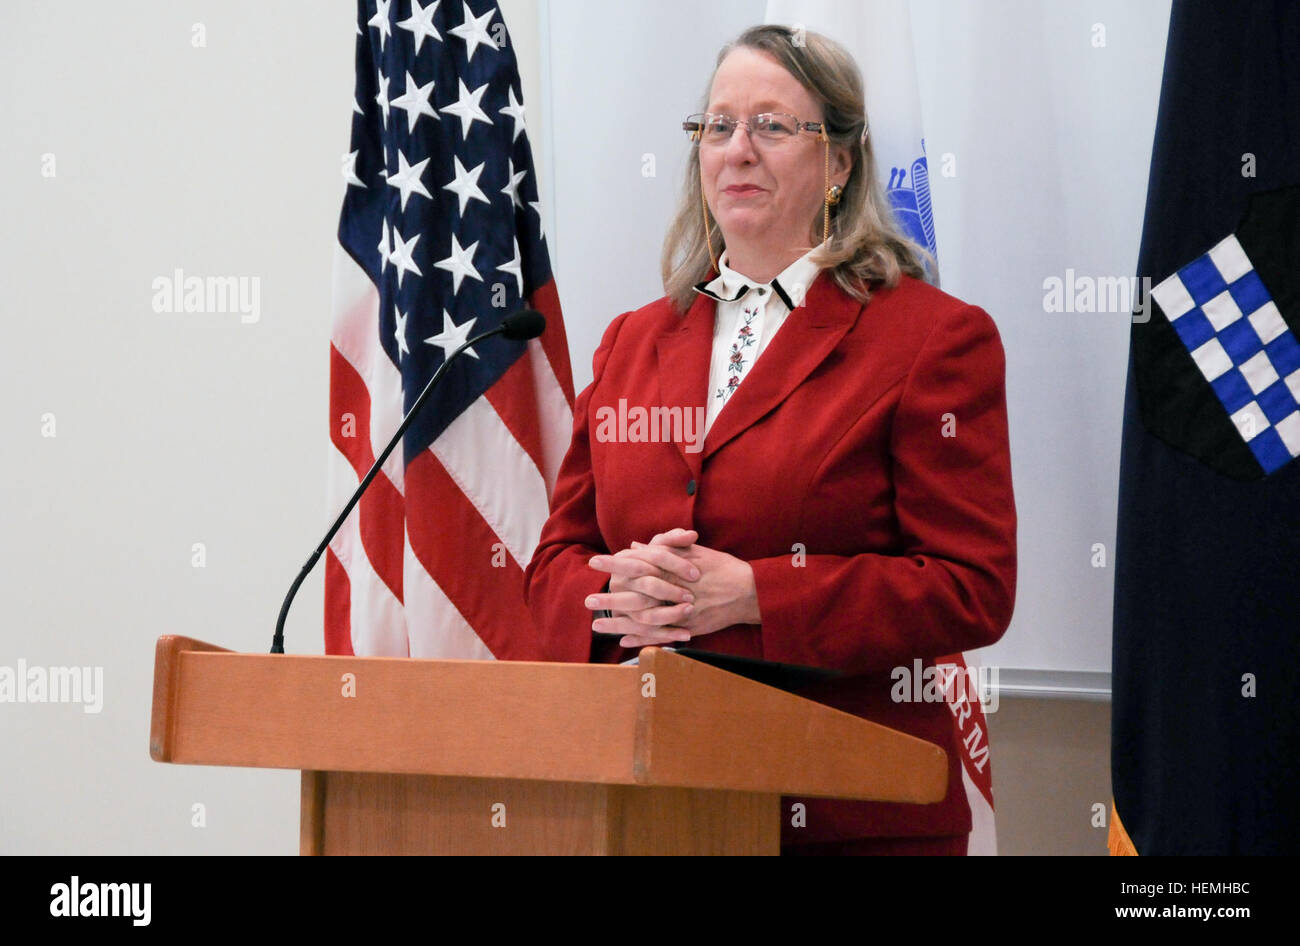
{"type": "Point", "coordinates": [440, 238]}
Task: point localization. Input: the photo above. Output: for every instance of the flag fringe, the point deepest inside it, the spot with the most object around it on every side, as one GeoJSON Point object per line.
{"type": "Point", "coordinates": [1120, 844]}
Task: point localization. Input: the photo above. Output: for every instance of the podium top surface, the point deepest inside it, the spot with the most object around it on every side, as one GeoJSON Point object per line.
{"type": "Point", "coordinates": [670, 721]}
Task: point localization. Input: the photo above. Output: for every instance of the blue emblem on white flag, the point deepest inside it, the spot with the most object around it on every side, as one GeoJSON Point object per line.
{"type": "Point", "coordinates": [909, 194]}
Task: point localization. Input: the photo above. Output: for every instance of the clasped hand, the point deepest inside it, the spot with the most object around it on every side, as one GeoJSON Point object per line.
{"type": "Point", "coordinates": [671, 590]}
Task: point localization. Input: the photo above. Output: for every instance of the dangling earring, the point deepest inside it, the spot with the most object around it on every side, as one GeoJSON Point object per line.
{"type": "Point", "coordinates": [826, 207]}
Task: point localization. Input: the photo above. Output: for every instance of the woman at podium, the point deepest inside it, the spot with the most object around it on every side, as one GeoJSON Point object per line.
{"type": "Point", "coordinates": [799, 453]}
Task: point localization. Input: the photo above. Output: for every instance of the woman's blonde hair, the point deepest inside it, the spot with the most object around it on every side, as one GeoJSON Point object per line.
{"type": "Point", "coordinates": [866, 244]}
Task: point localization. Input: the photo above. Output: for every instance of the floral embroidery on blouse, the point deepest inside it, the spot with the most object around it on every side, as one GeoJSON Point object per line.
{"type": "Point", "coordinates": [737, 362]}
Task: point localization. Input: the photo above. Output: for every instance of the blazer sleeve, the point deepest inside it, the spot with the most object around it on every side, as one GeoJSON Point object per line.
{"type": "Point", "coordinates": [953, 586]}
{"type": "Point", "coordinates": [558, 578]}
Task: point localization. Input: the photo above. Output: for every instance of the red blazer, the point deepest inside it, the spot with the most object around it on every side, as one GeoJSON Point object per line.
{"type": "Point", "coordinates": [874, 439]}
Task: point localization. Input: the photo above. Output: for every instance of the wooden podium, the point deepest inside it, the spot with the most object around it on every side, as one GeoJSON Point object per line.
{"type": "Point", "coordinates": [403, 756]}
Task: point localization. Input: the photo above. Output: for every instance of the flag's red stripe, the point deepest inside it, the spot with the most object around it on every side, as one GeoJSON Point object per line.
{"type": "Point", "coordinates": [350, 406]}
{"type": "Point", "coordinates": [462, 553]}
{"type": "Point", "coordinates": [338, 612]}
{"type": "Point", "coordinates": [515, 399]}
{"type": "Point", "coordinates": [381, 508]}
{"type": "Point", "coordinates": [383, 532]}
{"type": "Point", "coordinates": [554, 340]}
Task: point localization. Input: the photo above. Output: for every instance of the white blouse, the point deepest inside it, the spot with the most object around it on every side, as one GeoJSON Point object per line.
{"type": "Point", "coordinates": [761, 308]}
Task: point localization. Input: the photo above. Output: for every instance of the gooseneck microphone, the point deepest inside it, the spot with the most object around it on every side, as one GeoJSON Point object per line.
{"type": "Point", "coordinates": [523, 325]}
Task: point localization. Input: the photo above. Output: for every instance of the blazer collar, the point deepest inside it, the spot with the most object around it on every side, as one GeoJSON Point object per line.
{"type": "Point", "coordinates": [790, 286]}
{"type": "Point", "coordinates": [809, 334]}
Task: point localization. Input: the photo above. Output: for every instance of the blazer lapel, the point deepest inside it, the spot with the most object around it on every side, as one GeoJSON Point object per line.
{"type": "Point", "coordinates": [683, 359]}
{"type": "Point", "coordinates": [808, 335]}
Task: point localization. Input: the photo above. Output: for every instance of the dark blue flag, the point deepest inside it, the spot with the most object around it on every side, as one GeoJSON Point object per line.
{"type": "Point", "coordinates": [1206, 666]}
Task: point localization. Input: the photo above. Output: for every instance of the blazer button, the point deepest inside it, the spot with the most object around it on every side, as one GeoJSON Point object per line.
{"type": "Point", "coordinates": [690, 488]}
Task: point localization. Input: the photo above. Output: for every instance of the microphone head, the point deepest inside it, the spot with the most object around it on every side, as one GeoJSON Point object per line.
{"type": "Point", "coordinates": [523, 325]}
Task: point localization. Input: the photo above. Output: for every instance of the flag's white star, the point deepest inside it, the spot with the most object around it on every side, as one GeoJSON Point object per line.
{"type": "Point", "coordinates": [452, 336]}
{"type": "Point", "coordinates": [515, 111]}
{"type": "Point", "coordinates": [512, 185]}
{"type": "Point", "coordinates": [474, 32]}
{"type": "Point", "coordinates": [381, 21]}
{"type": "Point", "coordinates": [355, 107]}
{"type": "Point", "coordinates": [384, 258]}
{"type": "Point", "coordinates": [460, 263]}
{"type": "Point", "coordinates": [420, 23]}
{"type": "Point", "coordinates": [415, 101]}
{"type": "Point", "coordinates": [513, 267]}
{"type": "Point", "coordinates": [467, 107]}
{"type": "Point", "coordinates": [350, 170]}
{"type": "Point", "coordinates": [382, 98]}
{"type": "Point", "coordinates": [403, 256]}
{"type": "Point", "coordinates": [465, 184]}
{"type": "Point", "coordinates": [537, 206]}
{"type": "Point", "coordinates": [400, 333]}
{"type": "Point", "coordinates": [407, 178]}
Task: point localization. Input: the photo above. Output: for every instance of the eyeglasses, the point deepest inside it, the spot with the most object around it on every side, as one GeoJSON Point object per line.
{"type": "Point", "coordinates": [710, 128]}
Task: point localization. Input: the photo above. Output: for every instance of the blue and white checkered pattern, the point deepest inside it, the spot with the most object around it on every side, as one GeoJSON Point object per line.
{"type": "Point", "coordinates": [1225, 316]}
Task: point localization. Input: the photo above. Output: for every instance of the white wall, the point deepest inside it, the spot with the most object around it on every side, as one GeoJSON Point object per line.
{"type": "Point", "coordinates": [171, 429]}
